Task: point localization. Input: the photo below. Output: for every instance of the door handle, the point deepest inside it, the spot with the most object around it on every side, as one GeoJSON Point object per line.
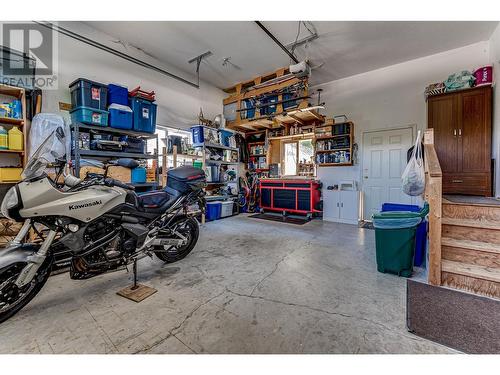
{"type": "Point", "coordinates": [454, 132]}
{"type": "Point", "coordinates": [457, 181]}
{"type": "Point", "coordinates": [459, 132]}
{"type": "Point", "coordinates": [342, 204]}
{"type": "Point", "coordinates": [337, 204]}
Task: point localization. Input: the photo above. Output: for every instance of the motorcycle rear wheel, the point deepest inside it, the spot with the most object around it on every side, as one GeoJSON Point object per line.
{"type": "Point", "coordinates": [189, 228]}
{"type": "Point", "coordinates": [13, 298]}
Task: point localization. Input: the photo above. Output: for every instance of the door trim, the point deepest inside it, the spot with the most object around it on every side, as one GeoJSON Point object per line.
{"type": "Point", "coordinates": [413, 128]}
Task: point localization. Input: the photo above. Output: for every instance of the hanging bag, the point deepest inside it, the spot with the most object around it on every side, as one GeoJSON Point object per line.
{"type": "Point", "coordinates": [413, 178]}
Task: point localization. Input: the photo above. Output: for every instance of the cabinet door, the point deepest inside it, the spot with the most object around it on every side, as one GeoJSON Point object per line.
{"type": "Point", "coordinates": [442, 116]}
{"type": "Point", "coordinates": [349, 205]}
{"type": "Point", "coordinates": [331, 205]}
{"type": "Point", "coordinates": [475, 131]}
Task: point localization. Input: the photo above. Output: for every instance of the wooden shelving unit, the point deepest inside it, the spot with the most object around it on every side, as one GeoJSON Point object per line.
{"type": "Point", "coordinates": [269, 85]}
{"type": "Point", "coordinates": [343, 153]}
{"type": "Point", "coordinates": [21, 124]}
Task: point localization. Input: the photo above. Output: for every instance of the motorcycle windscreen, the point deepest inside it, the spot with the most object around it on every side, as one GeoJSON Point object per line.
{"type": "Point", "coordinates": [52, 148]}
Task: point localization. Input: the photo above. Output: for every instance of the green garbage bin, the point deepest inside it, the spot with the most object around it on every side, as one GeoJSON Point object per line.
{"type": "Point", "coordinates": [395, 240]}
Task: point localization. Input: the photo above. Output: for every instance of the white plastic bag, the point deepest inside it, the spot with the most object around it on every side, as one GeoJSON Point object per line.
{"type": "Point", "coordinates": [413, 178]}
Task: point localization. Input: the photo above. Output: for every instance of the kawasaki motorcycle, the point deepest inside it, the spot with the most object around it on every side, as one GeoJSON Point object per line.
{"type": "Point", "coordinates": [100, 222]}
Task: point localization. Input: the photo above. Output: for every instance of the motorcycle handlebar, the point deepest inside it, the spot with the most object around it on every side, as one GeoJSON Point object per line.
{"type": "Point", "coordinates": [112, 182]}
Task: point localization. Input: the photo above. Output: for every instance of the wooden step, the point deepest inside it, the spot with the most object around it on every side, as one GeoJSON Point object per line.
{"type": "Point", "coordinates": [486, 224]}
{"type": "Point", "coordinates": [472, 234]}
{"type": "Point", "coordinates": [472, 245]}
{"type": "Point", "coordinates": [470, 270]}
{"type": "Point", "coordinates": [471, 212]}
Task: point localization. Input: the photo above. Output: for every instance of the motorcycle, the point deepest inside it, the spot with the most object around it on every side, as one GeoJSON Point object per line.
{"type": "Point", "coordinates": [100, 222]}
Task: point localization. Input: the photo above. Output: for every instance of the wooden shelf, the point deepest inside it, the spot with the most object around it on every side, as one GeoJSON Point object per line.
{"type": "Point", "coordinates": [16, 92]}
{"type": "Point", "coordinates": [12, 121]}
{"type": "Point", "coordinates": [332, 136]}
{"type": "Point", "coordinates": [334, 164]}
{"type": "Point", "coordinates": [337, 149]}
{"type": "Point", "coordinates": [20, 152]}
{"type": "Point", "coordinates": [304, 135]}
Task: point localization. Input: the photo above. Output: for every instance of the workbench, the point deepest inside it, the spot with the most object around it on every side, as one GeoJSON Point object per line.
{"type": "Point", "coordinates": [290, 195]}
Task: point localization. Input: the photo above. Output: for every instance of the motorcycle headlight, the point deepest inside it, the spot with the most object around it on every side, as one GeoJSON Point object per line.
{"type": "Point", "coordinates": [10, 200]}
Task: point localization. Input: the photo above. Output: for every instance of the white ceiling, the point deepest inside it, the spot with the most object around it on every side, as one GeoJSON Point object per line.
{"type": "Point", "coordinates": [343, 48]}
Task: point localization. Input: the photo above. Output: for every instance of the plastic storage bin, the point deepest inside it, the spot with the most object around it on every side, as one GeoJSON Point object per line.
{"type": "Point", "coordinates": [144, 115]}
{"type": "Point", "coordinates": [213, 211]}
{"type": "Point", "coordinates": [421, 234]}
{"type": "Point", "coordinates": [86, 93]}
{"type": "Point", "coordinates": [395, 240]}
{"type": "Point", "coordinates": [10, 174]}
{"type": "Point", "coordinates": [117, 94]}
{"type": "Point", "coordinates": [120, 116]}
{"type": "Point", "coordinates": [202, 134]}
{"type": "Point", "coordinates": [226, 208]}
{"type": "Point", "coordinates": [138, 175]}
{"type": "Point", "coordinates": [225, 138]}
{"type": "Point", "coordinates": [90, 116]}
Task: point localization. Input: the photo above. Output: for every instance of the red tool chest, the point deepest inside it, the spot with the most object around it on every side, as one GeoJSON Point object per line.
{"type": "Point", "coordinates": [296, 196]}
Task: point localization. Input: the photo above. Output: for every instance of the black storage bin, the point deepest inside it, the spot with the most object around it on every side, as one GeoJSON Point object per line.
{"type": "Point", "coordinates": [86, 93]}
{"type": "Point", "coordinates": [187, 178]}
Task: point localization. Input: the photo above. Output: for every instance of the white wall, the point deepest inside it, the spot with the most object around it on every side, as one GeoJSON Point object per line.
{"type": "Point", "coordinates": [178, 103]}
{"type": "Point", "coordinates": [495, 60]}
{"type": "Point", "coordinates": [392, 97]}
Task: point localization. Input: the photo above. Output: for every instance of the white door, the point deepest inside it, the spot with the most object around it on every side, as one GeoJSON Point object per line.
{"type": "Point", "coordinates": [384, 160]}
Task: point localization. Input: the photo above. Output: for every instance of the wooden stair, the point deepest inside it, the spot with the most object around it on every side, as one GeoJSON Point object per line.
{"type": "Point", "coordinates": [470, 247]}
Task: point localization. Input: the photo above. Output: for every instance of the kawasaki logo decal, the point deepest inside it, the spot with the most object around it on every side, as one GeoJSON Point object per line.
{"type": "Point", "coordinates": [84, 205]}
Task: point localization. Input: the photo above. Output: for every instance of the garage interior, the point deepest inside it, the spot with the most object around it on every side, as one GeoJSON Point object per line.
{"type": "Point", "coordinates": [292, 145]}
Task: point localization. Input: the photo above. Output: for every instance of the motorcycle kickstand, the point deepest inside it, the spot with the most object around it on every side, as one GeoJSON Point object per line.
{"type": "Point", "coordinates": [134, 270]}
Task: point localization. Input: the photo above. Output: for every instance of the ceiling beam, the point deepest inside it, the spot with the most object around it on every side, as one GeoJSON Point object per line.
{"type": "Point", "coordinates": [292, 56]}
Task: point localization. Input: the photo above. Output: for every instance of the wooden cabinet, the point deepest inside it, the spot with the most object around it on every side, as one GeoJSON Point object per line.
{"type": "Point", "coordinates": [462, 138]}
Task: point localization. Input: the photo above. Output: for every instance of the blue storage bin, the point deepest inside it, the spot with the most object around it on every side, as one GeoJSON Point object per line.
{"type": "Point", "coordinates": [89, 116]}
{"type": "Point", "coordinates": [421, 233]}
{"type": "Point", "coordinates": [249, 113]}
{"type": "Point", "coordinates": [120, 116]}
{"type": "Point", "coordinates": [138, 175]}
{"type": "Point", "coordinates": [288, 102]}
{"type": "Point", "coordinates": [213, 211]}
{"type": "Point", "coordinates": [198, 135]}
{"type": "Point", "coordinates": [144, 115]}
{"type": "Point", "coordinates": [86, 93]}
{"type": "Point", "coordinates": [117, 94]}
{"type": "Point", "coordinates": [269, 108]}
{"type": "Point", "coordinates": [225, 136]}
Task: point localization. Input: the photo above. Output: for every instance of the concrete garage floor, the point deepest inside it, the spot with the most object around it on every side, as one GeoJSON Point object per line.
{"type": "Point", "coordinates": [249, 286]}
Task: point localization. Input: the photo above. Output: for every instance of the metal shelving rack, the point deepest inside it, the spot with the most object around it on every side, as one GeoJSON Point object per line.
{"type": "Point", "coordinates": [219, 162]}
{"type": "Point", "coordinates": [77, 152]}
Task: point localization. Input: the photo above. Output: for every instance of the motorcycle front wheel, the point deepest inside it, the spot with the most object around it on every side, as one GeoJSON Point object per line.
{"type": "Point", "coordinates": [13, 298]}
{"type": "Point", "coordinates": [190, 229]}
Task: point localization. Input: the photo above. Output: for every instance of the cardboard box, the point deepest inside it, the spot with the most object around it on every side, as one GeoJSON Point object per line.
{"type": "Point", "coordinates": [89, 169]}
{"type": "Point", "coordinates": [120, 173]}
